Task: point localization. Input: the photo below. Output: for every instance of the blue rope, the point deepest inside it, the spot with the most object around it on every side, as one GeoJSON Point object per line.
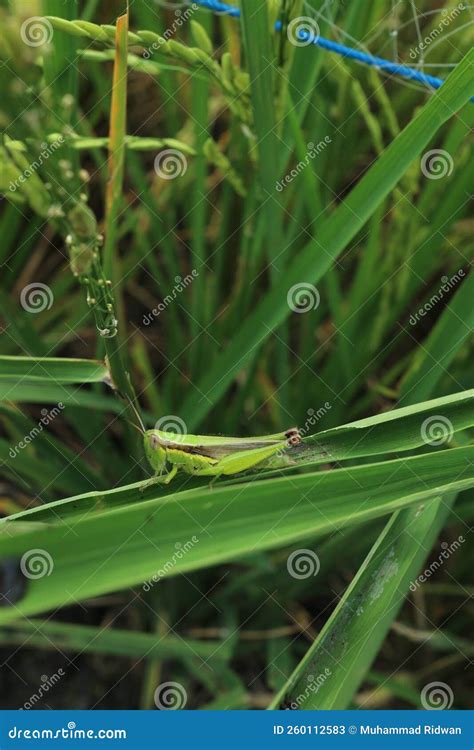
{"type": "Point", "coordinates": [218, 7]}
{"type": "Point", "coordinates": [340, 49]}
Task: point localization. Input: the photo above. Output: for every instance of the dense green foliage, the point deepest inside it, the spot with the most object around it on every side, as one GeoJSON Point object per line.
{"type": "Point", "coordinates": [234, 234]}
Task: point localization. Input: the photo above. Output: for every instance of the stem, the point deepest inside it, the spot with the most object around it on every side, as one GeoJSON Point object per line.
{"type": "Point", "coordinates": [115, 345]}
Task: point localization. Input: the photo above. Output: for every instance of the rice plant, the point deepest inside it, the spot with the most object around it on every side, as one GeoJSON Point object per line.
{"type": "Point", "coordinates": [217, 226]}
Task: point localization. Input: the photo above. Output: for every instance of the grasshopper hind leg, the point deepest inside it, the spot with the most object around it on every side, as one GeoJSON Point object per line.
{"type": "Point", "coordinates": [170, 475]}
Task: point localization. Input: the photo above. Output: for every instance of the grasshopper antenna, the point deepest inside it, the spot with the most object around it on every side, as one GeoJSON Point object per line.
{"type": "Point", "coordinates": [141, 428]}
{"type": "Point", "coordinates": [135, 427]}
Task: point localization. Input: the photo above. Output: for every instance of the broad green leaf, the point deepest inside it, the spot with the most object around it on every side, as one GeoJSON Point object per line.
{"type": "Point", "coordinates": [352, 636]}
{"type": "Point", "coordinates": [109, 546]}
{"type": "Point", "coordinates": [36, 392]}
{"type": "Point", "coordinates": [42, 380]}
{"type": "Point", "coordinates": [58, 370]}
{"type": "Point", "coordinates": [396, 430]}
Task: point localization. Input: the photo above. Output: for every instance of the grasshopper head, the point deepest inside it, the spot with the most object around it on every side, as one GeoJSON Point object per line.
{"type": "Point", "coordinates": [154, 450]}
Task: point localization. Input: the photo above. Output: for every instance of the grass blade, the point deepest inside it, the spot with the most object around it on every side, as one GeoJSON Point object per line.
{"type": "Point", "coordinates": [374, 596]}
{"type": "Point", "coordinates": [118, 542]}
{"type": "Point", "coordinates": [396, 430]}
{"type": "Point", "coordinates": [334, 235]}
{"type": "Point", "coordinates": [452, 329]}
{"type": "Point", "coordinates": [46, 369]}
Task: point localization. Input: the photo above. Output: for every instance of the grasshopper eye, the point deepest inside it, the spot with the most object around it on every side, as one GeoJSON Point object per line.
{"type": "Point", "coordinates": [154, 442]}
{"type": "Point", "coordinates": [293, 436]}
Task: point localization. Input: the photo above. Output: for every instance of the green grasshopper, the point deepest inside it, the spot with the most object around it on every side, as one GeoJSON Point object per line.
{"type": "Point", "coordinates": [213, 456]}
